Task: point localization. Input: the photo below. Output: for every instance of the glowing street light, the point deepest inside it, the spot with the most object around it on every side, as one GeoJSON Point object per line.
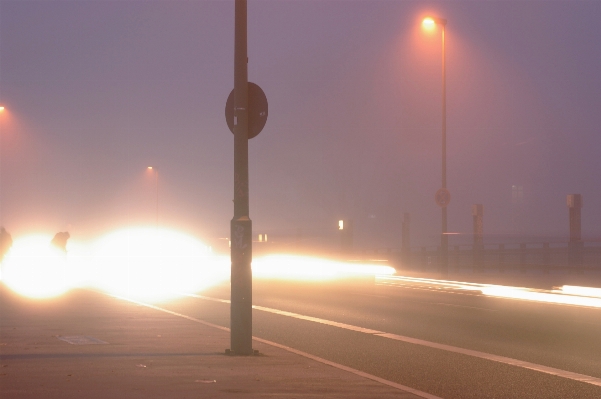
{"type": "Point", "coordinates": [443, 195]}
{"type": "Point", "coordinates": [429, 23]}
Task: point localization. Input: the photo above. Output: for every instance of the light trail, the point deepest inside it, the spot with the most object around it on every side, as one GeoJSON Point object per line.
{"type": "Point", "coordinates": [295, 268]}
{"type": "Point", "coordinates": [566, 295]}
{"type": "Point", "coordinates": [582, 291]}
{"type": "Point", "coordinates": [155, 264]}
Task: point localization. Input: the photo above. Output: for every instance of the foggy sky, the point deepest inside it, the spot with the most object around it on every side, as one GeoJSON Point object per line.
{"type": "Point", "coordinates": [97, 91]}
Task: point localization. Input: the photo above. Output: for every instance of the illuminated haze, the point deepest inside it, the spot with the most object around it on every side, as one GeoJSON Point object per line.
{"type": "Point", "coordinates": [97, 91]}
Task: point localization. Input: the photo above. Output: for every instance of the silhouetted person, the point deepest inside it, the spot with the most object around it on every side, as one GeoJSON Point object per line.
{"type": "Point", "coordinates": [6, 241]}
{"type": "Point", "coordinates": [60, 240]}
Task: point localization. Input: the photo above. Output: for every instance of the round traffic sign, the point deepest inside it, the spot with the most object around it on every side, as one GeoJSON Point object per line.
{"type": "Point", "coordinates": [442, 197]}
{"type": "Point", "coordinates": [257, 110]}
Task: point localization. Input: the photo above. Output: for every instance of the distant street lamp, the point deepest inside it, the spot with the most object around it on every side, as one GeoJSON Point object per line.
{"type": "Point", "coordinates": [442, 196]}
{"type": "Point", "coordinates": [156, 174]}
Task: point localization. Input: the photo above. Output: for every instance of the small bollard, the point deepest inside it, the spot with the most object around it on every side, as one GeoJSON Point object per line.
{"type": "Point", "coordinates": [575, 245]}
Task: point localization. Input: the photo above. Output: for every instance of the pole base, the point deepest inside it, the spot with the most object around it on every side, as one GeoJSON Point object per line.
{"type": "Point", "coordinates": [229, 352]}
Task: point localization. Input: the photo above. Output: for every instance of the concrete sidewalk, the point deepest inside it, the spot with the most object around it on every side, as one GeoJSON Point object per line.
{"type": "Point", "coordinates": [88, 345]}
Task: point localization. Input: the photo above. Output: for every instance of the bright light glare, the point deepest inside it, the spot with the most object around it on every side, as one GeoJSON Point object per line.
{"type": "Point", "coordinates": [155, 264]}
{"type": "Point", "coordinates": [292, 267]}
{"type": "Point", "coordinates": [34, 268]}
{"type": "Point", "coordinates": [428, 23]}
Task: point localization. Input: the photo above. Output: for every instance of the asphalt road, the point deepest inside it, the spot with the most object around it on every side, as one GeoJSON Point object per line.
{"type": "Point", "coordinates": [565, 338]}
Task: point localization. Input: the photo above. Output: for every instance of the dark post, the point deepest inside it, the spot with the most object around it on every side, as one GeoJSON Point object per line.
{"type": "Point", "coordinates": [478, 216]}
{"type": "Point", "coordinates": [406, 239]}
{"type": "Point", "coordinates": [444, 238]}
{"type": "Point", "coordinates": [241, 225]}
{"type": "Point", "coordinates": [575, 245]}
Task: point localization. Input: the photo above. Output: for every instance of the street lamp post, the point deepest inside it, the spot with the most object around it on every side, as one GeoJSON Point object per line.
{"type": "Point", "coordinates": [443, 196]}
{"type": "Point", "coordinates": [241, 225]}
{"type": "Point", "coordinates": [156, 180]}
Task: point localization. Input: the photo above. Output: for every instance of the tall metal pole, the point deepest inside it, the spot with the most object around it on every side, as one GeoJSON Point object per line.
{"type": "Point", "coordinates": [241, 225]}
{"type": "Point", "coordinates": [444, 239]}
{"type": "Point", "coordinates": [156, 171]}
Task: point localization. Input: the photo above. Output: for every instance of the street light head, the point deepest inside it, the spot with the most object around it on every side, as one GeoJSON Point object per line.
{"type": "Point", "coordinates": [430, 23]}
{"type": "Point", "coordinates": [1, 108]}
{"type": "Point", "coordinates": [150, 168]}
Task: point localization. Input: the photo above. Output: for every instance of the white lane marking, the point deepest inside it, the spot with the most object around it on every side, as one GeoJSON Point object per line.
{"type": "Point", "coordinates": [318, 320]}
{"type": "Point", "coordinates": [360, 373]}
{"type": "Point", "coordinates": [296, 316]}
{"type": "Point", "coordinates": [496, 358]}
{"type": "Point", "coordinates": [206, 323]}
{"type": "Point", "coordinates": [350, 370]}
{"type": "Point", "coordinates": [449, 348]}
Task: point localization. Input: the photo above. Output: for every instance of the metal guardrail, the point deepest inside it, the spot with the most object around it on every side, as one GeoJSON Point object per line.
{"type": "Point", "coordinates": [523, 256]}
{"type": "Point", "coordinates": [500, 257]}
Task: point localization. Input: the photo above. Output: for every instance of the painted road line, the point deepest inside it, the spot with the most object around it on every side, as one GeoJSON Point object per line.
{"type": "Point", "coordinates": [496, 358]}
{"type": "Point", "coordinates": [350, 370]}
{"type": "Point", "coordinates": [449, 348]}
{"type": "Point", "coordinates": [360, 373]}
{"type": "Point", "coordinates": [296, 316]}
{"type": "Point", "coordinates": [318, 320]}
{"type": "Point", "coordinates": [206, 323]}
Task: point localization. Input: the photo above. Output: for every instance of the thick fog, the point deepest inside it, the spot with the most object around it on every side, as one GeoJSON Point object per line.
{"type": "Point", "coordinates": [96, 91]}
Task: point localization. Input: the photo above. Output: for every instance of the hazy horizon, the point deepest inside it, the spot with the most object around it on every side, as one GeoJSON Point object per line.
{"type": "Point", "coordinates": [97, 91]}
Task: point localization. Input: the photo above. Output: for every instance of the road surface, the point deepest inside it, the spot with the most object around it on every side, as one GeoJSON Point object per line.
{"type": "Point", "coordinates": [448, 342]}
